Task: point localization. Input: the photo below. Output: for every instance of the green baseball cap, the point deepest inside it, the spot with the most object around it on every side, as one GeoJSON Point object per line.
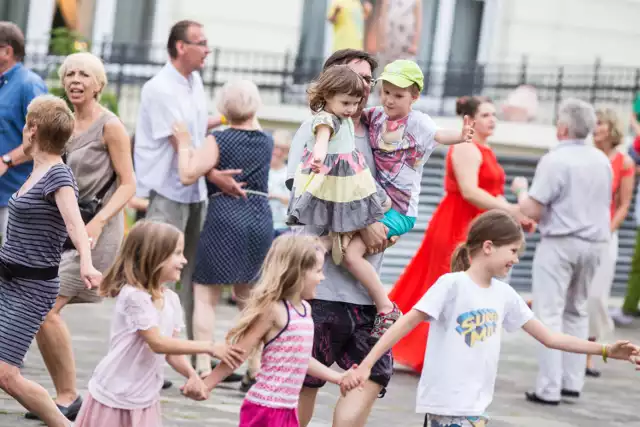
{"type": "Point", "coordinates": [403, 73]}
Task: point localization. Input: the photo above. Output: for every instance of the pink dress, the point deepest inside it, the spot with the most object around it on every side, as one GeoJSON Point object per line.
{"type": "Point", "coordinates": [124, 390]}
{"type": "Point", "coordinates": [273, 400]}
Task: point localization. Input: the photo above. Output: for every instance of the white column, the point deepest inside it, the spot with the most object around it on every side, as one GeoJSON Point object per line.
{"type": "Point", "coordinates": [328, 33]}
{"type": "Point", "coordinates": [162, 22]}
{"type": "Point", "coordinates": [104, 21]}
{"type": "Point", "coordinates": [442, 45]}
{"type": "Point", "coordinates": [39, 25]}
{"type": "Point", "coordinates": [490, 22]}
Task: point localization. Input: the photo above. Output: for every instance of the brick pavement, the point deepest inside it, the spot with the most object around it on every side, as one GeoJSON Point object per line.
{"type": "Point", "coordinates": [611, 400]}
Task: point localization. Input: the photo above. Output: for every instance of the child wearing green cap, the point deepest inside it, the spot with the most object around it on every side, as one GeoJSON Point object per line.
{"type": "Point", "coordinates": [402, 140]}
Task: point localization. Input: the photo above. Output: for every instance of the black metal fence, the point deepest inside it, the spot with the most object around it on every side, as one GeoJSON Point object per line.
{"type": "Point", "coordinates": [282, 78]}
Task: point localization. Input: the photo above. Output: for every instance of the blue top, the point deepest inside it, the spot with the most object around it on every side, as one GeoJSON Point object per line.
{"type": "Point", "coordinates": [18, 86]}
{"type": "Point", "coordinates": [249, 150]}
{"type": "Point", "coordinates": [36, 230]}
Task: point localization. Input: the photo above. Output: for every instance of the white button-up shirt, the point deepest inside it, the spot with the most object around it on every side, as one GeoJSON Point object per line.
{"type": "Point", "coordinates": [167, 98]}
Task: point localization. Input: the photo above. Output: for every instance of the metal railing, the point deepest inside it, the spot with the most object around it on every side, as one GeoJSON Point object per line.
{"type": "Point", "coordinates": [282, 78]}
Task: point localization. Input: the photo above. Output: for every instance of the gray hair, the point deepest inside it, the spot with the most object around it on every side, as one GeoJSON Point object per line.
{"type": "Point", "coordinates": [239, 100]}
{"type": "Point", "coordinates": [578, 116]}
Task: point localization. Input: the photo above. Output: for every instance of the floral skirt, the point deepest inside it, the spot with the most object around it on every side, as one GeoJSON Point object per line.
{"type": "Point", "coordinates": [95, 414]}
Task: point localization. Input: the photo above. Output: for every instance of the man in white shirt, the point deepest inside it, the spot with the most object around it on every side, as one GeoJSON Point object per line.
{"type": "Point", "coordinates": [175, 94]}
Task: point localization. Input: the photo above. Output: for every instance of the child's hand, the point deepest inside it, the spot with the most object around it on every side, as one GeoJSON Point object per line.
{"type": "Point", "coordinates": [182, 135]}
{"type": "Point", "coordinates": [195, 388]}
{"type": "Point", "coordinates": [353, 378]}
{"type": "Point", "coordinates": [318, 161]}
{"type": "Point", "coordinates": [230, 355]}
{"type": "Point", "coordinates": [623, 350]}
{"type": "Point", "coordinates": [467, 129]}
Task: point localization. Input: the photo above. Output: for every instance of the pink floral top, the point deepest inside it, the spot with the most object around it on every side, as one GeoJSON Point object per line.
{"type": "Point", "coordinates": [130, 376]}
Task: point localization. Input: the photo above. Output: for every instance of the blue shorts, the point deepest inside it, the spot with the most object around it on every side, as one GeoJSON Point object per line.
{"type": "Point", "coordinates": [397, 223]}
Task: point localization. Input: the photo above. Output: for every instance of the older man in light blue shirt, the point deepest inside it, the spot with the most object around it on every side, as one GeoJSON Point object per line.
{"type": "Point", "coordinates": [570, 197]}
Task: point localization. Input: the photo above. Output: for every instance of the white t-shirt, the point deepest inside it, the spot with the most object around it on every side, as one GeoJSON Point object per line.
{"type": "Point", "coordinates": [130, 376]}
{"type": "Point", "coordinates": [463, 349]}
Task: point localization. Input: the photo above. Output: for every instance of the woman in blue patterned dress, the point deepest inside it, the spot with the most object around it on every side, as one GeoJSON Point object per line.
{"type": "Point", "coordinates": [41, 214]}
{"type": "Point", "coordinates": [237, 232]}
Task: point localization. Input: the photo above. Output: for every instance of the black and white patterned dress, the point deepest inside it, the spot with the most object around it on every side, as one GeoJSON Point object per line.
{"type": "Point", "coordinates": [237, 233]}
{"type": "Point", "coordinates": [35, 234]}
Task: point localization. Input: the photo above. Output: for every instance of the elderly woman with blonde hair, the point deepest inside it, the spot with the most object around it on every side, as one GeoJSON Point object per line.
{"type": "Point", "coordinates": [607, 136]}
{"type": "Point", "coordinates": [238, 231]}
{"type": "Point", "coordinates": [99, 154]}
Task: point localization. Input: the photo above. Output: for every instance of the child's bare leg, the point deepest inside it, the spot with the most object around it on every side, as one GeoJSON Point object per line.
{"type": "Point", "coordinates": [362, 270]}
{"type": "Point", "coordinates": [326, 242]}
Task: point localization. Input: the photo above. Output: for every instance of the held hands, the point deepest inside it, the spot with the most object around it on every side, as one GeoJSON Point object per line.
{"type": "Point", "coordinates": [467, 129]}
{"type": "Point", "coordinates": [230, 355]}
{"type": "Point", "coordinates": [90, 275]}
{"type": "Point", "coordinates": [354, 378]}
{"type": "Point", "coordinates": [195, 388]}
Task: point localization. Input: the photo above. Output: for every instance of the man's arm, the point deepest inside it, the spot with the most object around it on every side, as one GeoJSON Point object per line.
{"type": "Point", "coordinates": [17, 156]}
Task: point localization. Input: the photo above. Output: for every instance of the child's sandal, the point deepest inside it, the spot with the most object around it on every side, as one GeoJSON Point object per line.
{"type": "Point", "coordinates": [384, 321]}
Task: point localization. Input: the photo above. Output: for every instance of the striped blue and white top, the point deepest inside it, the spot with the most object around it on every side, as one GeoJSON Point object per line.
{"type": "Point", "coordinates": [36, 230]}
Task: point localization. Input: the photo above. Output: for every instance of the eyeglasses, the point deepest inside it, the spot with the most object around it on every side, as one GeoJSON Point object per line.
{"type": "Point", "coordinates": [369, 80]}
{"type": "Point", "coordinates": [202, 43]}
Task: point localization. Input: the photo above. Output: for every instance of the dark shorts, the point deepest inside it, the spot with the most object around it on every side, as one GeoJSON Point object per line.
{"type": "Point", "coordinates": [341, 335]}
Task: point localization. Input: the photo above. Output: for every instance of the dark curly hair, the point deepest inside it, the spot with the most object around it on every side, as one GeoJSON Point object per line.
{"type": "Point", "coordinates": [337, 79]}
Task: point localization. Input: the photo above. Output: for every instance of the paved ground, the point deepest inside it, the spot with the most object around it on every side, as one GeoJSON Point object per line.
{"type": "Point", "coordinates": [611, 400]}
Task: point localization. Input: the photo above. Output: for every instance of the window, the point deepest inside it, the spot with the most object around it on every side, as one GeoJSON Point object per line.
{"type": "Point", "coordinates": [133, 31]}
{"type": "Point", "coordinates": [15, 11]}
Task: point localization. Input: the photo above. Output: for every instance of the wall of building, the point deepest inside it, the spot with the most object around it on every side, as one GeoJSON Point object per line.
{"type": "Point", "coordinates": [259, 26]}
{"type": "Point", "coordinates": [567, 31]}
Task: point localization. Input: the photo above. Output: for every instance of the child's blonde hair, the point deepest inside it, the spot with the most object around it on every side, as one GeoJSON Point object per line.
{"type": "Point", "coordinates": [281, 278]}
{"type": "Point", "coordinates": [139, 263]}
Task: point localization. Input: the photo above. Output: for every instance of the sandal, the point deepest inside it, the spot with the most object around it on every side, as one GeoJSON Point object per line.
{"type": "Point", "coordinates": [384, 321]}
{"type": "Point", "coordinates": [336, 248]}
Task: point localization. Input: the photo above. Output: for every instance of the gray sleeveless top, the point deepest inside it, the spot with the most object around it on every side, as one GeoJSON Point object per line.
{"type": "Point", "coordinates": [90, 162]}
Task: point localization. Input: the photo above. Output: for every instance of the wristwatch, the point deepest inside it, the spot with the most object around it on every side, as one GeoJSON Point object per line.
{"type": "Point", "coordinates": [6, 159]}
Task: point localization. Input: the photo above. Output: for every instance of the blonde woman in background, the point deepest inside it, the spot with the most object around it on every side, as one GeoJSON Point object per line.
{"type": "Point", "coordinates": [607, 136]}
{"type": "Point", "coordinates": [99, 154]}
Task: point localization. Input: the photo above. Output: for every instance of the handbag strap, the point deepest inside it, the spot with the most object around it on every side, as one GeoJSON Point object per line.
{"type": "Point", "coordinates": [103, 191]}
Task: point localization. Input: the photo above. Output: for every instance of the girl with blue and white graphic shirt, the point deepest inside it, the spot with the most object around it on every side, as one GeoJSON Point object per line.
{"type": "Point", "coordinates": [468, 309]}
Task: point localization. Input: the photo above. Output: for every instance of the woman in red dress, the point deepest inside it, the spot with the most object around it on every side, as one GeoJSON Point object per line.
{"type": "Point", "coordinates": [474, 182]}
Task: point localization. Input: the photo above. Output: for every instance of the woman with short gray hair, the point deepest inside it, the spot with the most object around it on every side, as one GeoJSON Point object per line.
{"type": "Point", "coordinates": [99, 154]}
{"type": "Point", "coordinates": [237, 232]}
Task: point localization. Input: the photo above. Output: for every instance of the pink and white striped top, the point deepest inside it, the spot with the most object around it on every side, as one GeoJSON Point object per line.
{"type": "Point", "coordinates": [284, 363]}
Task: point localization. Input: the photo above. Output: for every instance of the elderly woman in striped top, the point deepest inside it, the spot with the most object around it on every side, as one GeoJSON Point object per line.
{"type": "Point", "coordinates": [277, 317]}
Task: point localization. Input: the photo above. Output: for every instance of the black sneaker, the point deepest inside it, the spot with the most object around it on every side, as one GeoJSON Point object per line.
{"type": "Point", "coordinates": [166, 384]}
{"type": "Point", "coordinates": [533, 397]}
{"type": "Point", "coordinates": [70, 412]}
{"type": "Point", "coordinates": [247, 382]}
{"type": "Point", "coordinates": [569, 393]}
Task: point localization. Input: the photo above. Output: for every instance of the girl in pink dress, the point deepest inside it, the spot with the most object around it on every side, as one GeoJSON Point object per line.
{"type": "Point", "coordinates": [277, 317]}
{"type": "Point", "coordinates": [124, 390]}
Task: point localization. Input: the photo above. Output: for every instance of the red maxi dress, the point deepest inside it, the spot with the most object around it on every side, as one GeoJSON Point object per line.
{"type": "Point", "coordinates": [448, 227]}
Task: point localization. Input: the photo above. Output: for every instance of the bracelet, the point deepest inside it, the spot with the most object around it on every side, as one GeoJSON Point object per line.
{"type": "Point", "coordinates": [605, 353]}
